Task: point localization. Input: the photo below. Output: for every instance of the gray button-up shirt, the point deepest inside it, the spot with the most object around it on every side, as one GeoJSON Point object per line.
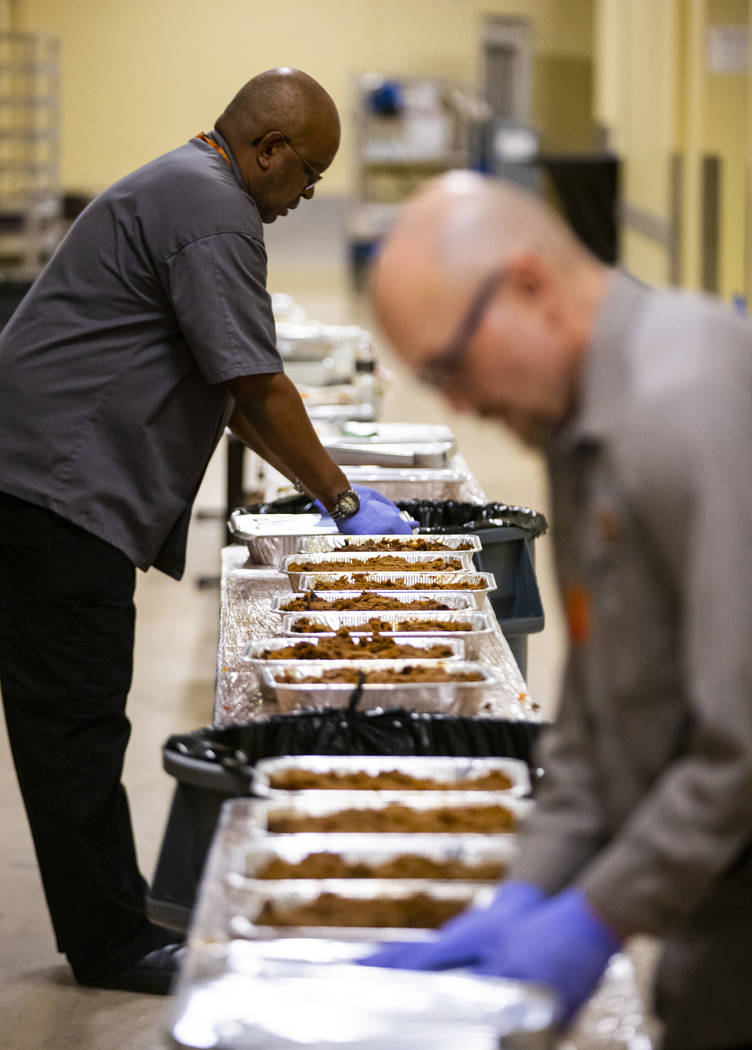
{"type": "Point", "coordinates": [647, 798]}
{"type": "Point", "coordinates": [112, 370]}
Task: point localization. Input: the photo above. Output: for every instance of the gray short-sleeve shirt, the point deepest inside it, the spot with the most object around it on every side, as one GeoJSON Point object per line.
{"type": "Point", "coordinates": [112, 370]}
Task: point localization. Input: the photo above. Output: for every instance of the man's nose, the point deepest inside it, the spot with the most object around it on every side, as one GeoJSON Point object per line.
{"type": "Point", "coordinates": [308, 193]}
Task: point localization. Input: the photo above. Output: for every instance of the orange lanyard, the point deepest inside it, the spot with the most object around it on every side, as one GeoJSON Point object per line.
{"type": "Point", "coordinates": [214, 145]}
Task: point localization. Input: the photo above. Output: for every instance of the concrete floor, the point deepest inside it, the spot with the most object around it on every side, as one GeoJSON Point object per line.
{"type": "Point", "coordinates": [40, 1007]}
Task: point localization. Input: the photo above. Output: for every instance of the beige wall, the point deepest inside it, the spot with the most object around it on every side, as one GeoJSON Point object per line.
{"type": "Point", "coordinates": [143, 75]}
{"type": "Point", "coordinates": [656, 95]}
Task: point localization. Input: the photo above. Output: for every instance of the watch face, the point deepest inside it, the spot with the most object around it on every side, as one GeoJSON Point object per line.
{"type": "Point", "coordinates": [347, 504]}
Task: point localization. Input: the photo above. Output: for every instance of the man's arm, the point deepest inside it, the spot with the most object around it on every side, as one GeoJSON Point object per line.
{"type": "Point", "coordinates": [271, 419]}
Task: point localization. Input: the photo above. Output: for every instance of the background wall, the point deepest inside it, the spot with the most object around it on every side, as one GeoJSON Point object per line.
{"type": "Point", "coordinates": [144, 75]}
{"type": "Point", "coordinates": [666, 109]}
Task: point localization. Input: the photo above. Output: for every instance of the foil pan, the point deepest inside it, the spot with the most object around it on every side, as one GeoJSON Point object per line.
{"type": "Point", "coordinates": [322, 544]}
{"type": "Point", "coordinates": [238, 996]}
{"type": "Point", "coordinates": [411, 483]}
{"type": "Point", "coordinates": [254, 651]}
{"type": "Point", "coordinates": [473, 640]}
{"type": "Point", "coordinates": [368, 561]}
{"type": "Point", "coordinates": [456, 698]}
{"type": "Point", "coordinates": [247, 898]}
{"type": "Point", "coordinates": [258, 813]}
{"type": "Point", "coordinates": [302, 341]}
{"type": "Point", "coordinates": [460, 600]}
{"type": "Point", "coordinates": [338, 413]}
{"type": "Point", "coordinates": [339, 395]}
{"type": "Point", "coordinates": [375, 851]}
{"type": "Point", "coordinates": [430, 454]}
{"type": "Point", "coordinates": [454, 772]}
{"type": "Point", "coordinates": [323, 371]}
{"type": "Point", "coordinates": [271, 537]}
{"type": "Point", "coordinates": [396, 433]}
{"type": "Point", "coordinates": [433, 583]}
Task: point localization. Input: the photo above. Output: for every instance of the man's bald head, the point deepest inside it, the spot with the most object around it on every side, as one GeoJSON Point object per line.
{"type": "Point", "coordinates": [515, 349]}
{"type": "Point", "coordinates": [459, 227]}
{"type": "Point", "coordinates": [283, 130]}
{"type": "Point", "coordinates": [287, 100]}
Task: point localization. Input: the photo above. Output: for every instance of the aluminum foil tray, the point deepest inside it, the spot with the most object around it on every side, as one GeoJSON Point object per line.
{"type": "Point", "coordinates": [482, 626]}
{"type": "Point", "coordinates": [257, 813]}
{"type": "Point", "coordinates": [427, 639]}
{"type": "Point", "coordinates": [334, 413]}
{"type": "Point", "coordinates": [302, 340]}
{"type": "Point", "coordinates": [460, 600]}
{"type": "Point", "coordinates": [396, 433]}
{"type": "Point", "coordinates": [247, 898]}
{"type": "Point", "coordinates": [340, 395]}
{"type": "Point", "coordinates": [323, 544]}
{"type": "Point", "coordinates": [254, 651]}
{"type": "Point", "coordinates": [354, 561]}
{"type": "Point", "coordinates": [456, 698]}
{"type": "Point", "coordinates": [375, 850]}
{"type": "Point", "coordinates": [454, 772]}
{"type": "Point", "coordinates": [271, 537]}
{"type": "Point", "coordinates": [434, 455]}
{"type": "Point", "coordinates": [411, 483]}
{"type": "Point", "coordinates": [237, 996]}
{"type": "Point", "coordinates": [433, 583]}
{"type": "Point", "coordinates": [325, 371]}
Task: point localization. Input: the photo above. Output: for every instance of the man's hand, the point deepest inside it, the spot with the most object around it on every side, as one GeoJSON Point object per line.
{"type": "Point", "coordinates": [522, 935]}
{"type": "Point", "coordinates": [377, 516]}
{"type": "Point", "coordinates": [562, 944]}
{"type": "Point", "coordinates": [467, 939]}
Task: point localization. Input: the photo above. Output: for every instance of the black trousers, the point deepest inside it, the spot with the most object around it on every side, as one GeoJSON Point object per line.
{"type": "Point", "coordinates": [66, 652]}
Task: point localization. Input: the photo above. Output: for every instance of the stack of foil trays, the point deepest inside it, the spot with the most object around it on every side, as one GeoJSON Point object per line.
{"type": "Point", "coordinates": [248, 986]}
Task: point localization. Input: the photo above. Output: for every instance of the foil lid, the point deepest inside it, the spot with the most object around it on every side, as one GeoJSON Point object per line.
{"type": "Point", "coordinates": [287, 995]}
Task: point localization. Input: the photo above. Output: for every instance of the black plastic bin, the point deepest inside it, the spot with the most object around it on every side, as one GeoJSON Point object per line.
{"type": "Point", "coordinates": [212, 765]}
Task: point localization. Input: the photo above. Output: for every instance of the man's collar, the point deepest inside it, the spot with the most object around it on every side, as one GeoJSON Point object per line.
{"type": "Point", "coordinates": [604, 375]}
{"type": "Point", "coordinates": [221, 141]}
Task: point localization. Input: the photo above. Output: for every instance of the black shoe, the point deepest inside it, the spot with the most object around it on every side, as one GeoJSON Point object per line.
{"type": "Point", "coordinates": [152, 974]}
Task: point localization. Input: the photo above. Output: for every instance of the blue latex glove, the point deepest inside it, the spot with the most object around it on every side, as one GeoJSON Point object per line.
{"type": "Point", "coordinates": [377, 516]}
{"type": "Point", "coordinates": [464, 940]}
{"type": "Point", "coordinates": [562, 944]}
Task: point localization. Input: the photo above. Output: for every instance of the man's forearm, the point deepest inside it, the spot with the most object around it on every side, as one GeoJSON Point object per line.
{"type": "Point", "coordinates": [271, 419]}
{"type": "Point", "coordinates": [248, 434]}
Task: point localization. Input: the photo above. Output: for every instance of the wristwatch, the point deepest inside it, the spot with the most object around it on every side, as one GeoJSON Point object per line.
{"type": "Point", "coordinates": [348, 503]}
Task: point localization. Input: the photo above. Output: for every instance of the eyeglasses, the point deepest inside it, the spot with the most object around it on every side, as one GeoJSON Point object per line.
{"type": "Point", "coordinates": [440, 369]}
{"type": "Point", "coordinates": [313, 175]}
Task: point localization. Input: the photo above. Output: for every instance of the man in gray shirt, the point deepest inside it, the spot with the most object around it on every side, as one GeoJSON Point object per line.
{"type": "Point", "coordinates": [147, 333]}
{"type": "Point", "coordinates": [642, 402]}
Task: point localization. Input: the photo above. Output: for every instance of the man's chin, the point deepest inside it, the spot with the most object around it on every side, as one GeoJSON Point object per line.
{"type": "Point", "coordinates": [535, 433]}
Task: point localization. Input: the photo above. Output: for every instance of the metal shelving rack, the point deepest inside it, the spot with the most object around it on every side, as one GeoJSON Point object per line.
{"type": "Point", "coordinates": [30, 195]}
{"type": "Point", "coordinates": [429, 132]}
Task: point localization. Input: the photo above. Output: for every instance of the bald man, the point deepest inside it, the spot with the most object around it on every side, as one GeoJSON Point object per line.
{"type": "Point", "coordinates": [149, 331]}
{"type": "Point", "coordinates": [642, 403]}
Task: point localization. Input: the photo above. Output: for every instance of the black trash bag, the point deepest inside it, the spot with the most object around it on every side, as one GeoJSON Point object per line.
{"type": "Point", "coordinates": [434, 515]}
{"type": "Point", "coordinates": [462, 516]}
{"type": "Point", "coordinates": [339, 731]}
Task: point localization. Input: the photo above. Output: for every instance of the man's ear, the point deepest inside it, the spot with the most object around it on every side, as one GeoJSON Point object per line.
{"type": "Point", "coordinates": [269, 145]}
{"type": "Point", "coordinates": [537, 285]}
{"type": "Point", "coordinates": [529, 276]}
